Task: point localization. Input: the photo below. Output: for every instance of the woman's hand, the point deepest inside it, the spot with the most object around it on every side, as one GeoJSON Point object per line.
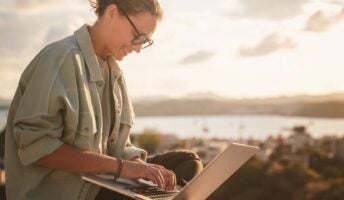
{"type": "Point", "coordinates": [157, 174]}
{"type": "Point", "coordinates": [169, 177]}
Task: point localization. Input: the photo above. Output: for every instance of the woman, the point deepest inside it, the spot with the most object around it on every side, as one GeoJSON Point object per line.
{"type": "Point", "coordinates": [71, 113]}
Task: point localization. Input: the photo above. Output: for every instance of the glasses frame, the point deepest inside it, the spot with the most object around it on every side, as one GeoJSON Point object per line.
{"type": "Point", "coordinates": [145, 42]}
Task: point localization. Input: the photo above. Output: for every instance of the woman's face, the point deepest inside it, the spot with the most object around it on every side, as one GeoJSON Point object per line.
{"type": "Point", "coordinates": [121, 33]}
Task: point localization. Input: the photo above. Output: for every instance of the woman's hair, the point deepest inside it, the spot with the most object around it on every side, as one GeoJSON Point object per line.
{"type": "Point", "coordinates": [131, 7]}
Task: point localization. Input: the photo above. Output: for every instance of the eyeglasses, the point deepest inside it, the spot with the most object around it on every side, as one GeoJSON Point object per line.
{"type": "Point", "coordinates": [140, 38]}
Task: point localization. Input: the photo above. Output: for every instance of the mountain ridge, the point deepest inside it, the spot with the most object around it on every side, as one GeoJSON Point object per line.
{"type": "Point", "coordinates": [325, 106]}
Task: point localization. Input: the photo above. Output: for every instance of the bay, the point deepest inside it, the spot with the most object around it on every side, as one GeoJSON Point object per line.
{"type": "Point", "coordinates": [238, 126]}
{"type": "Point", "coordinates": [231, 126]}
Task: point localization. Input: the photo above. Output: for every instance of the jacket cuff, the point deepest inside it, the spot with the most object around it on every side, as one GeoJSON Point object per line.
{"type": "Point", "coordinates": [133, 151]}
{"type": "Point", "coordinates": [40, 148]}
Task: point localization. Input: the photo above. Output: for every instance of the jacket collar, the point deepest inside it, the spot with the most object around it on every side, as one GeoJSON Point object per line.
{"type": "Point", "coordinates": [84, 41]}
{"type": "Point", "coordinates": [114, 68]}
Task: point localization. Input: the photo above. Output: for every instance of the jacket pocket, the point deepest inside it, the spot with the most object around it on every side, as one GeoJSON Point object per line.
{"type": "Point", "coordinates": [87, 124]}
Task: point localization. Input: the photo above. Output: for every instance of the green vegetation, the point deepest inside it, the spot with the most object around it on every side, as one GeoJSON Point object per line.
{"type": "Point", "coordinates": [323, 179]}
{"type": "Point", "coordinates": [149, 140]}
{"type": "Point", "coordinates": [311, 171]}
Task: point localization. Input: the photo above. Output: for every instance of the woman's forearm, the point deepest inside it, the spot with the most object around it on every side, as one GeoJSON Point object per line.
{"type": "Point", "coordinates": [72, 159]}
{"type": "Point", "coordinates": [69, 158]}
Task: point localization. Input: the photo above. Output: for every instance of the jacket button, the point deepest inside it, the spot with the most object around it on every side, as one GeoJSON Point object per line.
{"type": "Point", "coordinates": [100, 84]}
{"type": "Point", "coordinates": [86, 129]}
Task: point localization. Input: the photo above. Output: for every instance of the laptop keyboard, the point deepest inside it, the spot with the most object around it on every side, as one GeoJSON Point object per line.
{"type": "Point", "coordinates": [153, 192]}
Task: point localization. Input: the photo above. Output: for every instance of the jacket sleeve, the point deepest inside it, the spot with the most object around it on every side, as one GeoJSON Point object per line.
{"type": "Point", "coordinates": [38, 120]}
{"type": "Point", "coordinates": [131, 151]}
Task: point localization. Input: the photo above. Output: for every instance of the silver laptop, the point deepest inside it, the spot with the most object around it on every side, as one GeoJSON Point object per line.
{"type": "Point", "coordinates": [200, 187]}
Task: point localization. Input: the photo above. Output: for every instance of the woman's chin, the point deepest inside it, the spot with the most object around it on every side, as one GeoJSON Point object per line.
{"type": "Point", "coordinates": [119, 57]}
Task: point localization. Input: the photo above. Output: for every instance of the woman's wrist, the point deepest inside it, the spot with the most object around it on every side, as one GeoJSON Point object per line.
{"type": "Point", "coordinates": [119, 168]}
{"type": "Point", "coordinates": [135, 158]}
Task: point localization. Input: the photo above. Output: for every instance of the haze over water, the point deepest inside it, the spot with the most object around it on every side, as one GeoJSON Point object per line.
{"type": "Point", "coordinates": [235, 127]}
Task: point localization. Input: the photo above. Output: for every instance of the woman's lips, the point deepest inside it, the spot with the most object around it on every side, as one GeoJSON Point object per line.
{"type": "Point", "coordinates": [124, 52]}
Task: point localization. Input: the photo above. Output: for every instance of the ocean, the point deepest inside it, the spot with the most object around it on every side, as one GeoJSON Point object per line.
{"type": "Point", "coordinates": [232, 126]}
{"type": "Point", "coordinates": [238, 127]}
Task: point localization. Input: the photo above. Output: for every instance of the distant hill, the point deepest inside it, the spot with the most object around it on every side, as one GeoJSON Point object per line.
{"type": "Point", "coordinates": [4, 104]}
{"type": "Point", "coordinates": [322, 106]}
{"type": "Point", "coordinates": [326, 106]}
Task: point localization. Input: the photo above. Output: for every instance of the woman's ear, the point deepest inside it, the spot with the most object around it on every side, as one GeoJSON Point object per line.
{"type": "Point", "coordinates": [111, 11]}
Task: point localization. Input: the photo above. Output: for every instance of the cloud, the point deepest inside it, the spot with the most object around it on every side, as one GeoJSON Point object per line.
{"type": "Point", "coordinates": [268, 45]}
{"type": "Point", "coordinates": [198, 57]}
{"type": "Point", "coordinates": [338, 2]}
{"type": "Point", "coordinates": [24, 34]}
{"type": "Point", "coordinates": [17, 34]}
{"type": "Point", "coordinates": [321, 21]}
{"type": "Point", "coordinates": [27, 26]}
{"type": "Point", "coordinates": [32, 4]}
{"type": "Point", "coordinates": [268, 9]}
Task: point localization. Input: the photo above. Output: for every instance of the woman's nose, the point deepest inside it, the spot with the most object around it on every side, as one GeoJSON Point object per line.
{"type": "Point", "coordinates": [137, 48]}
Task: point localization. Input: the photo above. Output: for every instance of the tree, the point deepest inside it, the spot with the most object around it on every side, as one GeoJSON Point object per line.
{"type": "Point", "coordinates": [285, 183]}
{"type": "Point", "coordinates": [334, 192]}
{"type": "Point", "coordinates": [150, 140]}
{"type": "Point", "coordinates": [244, 184]}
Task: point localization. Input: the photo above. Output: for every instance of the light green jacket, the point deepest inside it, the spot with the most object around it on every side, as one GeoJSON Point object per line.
{"type": "Point", "coordinates": [57, 102]}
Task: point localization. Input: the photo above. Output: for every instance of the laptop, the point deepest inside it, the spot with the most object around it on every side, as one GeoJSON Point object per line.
{"type": "Point", "coordinates": [200, 187]}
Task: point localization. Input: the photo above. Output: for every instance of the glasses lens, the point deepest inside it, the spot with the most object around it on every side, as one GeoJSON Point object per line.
{"type": "Point", "coordinates": [147, 44]}
{"type": "Point", "coordinates": [142, 40]}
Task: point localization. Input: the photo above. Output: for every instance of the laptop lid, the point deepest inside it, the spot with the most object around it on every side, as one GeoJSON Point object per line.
{"type": "Point", "coordinates": [217, 172]}
{"type": "Point", "coordinates": [201, 186]}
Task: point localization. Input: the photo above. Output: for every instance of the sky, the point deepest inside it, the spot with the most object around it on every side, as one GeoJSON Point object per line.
{"type": "Point", "coordinates": [232, 48]}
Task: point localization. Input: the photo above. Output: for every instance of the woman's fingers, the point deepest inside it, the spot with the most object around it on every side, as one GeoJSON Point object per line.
{"type": "Point", "coordinates": [168, 176]}
{"type": "Point", "coordinates": [159, 175]}
{"type": "Point", "coordinates": [170, 179]}
{"type": "Point", "coordinates": [174, 180]}
{"type": "Point", "coordinates": [156, 177]}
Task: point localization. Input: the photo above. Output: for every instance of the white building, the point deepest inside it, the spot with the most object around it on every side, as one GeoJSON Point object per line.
{"type": "Point", "coordinates": [299, 140]}
{"type": "Point", "coordinates": [267, 148]}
